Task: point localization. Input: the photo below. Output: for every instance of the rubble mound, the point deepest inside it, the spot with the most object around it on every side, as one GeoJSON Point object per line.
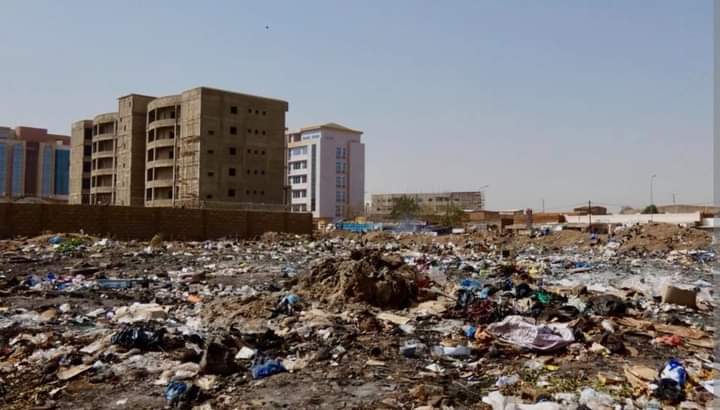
{"type": "Point", "coordinates": [381, 280]}
{"type": "Point", "coordinates": [663, 238]}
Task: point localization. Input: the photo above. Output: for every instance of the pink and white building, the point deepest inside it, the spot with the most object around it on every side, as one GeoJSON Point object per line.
{"type": "Point", "coordinates": [326, 171]}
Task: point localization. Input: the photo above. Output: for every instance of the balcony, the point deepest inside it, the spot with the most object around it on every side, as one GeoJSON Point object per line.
{"type": "Point", "coordinates": [159, 203]}
{"type": "Point", "coordinates": [103, 154]}
{"type": "Point", "coordinates": [102, 171]}
{"type": "Point", "coordinates": [302, 185]}
{"type": "Point", "coordinates": [165, 122]}
{"type": "Point", "coordinates": [104, 137]}
{"type": "Point", "coordinates": [101, 190]}
{"type": "Point", "coordinates": [161, 163]}
{"type": "Point", "coordinates": [301, 171]}
{"type": "Point", "coordinates": [159, 183]}
{"type": "Point", "coordinates": [164, 142]}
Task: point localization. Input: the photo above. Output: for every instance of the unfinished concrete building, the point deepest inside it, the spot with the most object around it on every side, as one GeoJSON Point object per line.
{"type": "Point", "coordinates": [201, 148]}
{"type": "Point", "coordinates": [80, 162]}
{"type": "Point", "coordinates": [431, 203]}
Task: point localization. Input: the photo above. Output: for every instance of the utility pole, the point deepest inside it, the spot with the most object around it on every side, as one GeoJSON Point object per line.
{"type": "Point", "coordinates": [543, 205]}
{"type": "Point", "coordinates": [673, 198]}
{"type": "Point", "coordinates": [589, 216]}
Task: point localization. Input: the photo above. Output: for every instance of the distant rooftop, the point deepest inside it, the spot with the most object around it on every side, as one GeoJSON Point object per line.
{"type": "Point", "coordinates": [330, 125]}
{"type": "Point", "coordinates": [206, 88]}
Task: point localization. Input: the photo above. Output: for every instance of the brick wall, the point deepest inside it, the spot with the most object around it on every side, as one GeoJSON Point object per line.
{"type": "Point", "coordinates": [142, 223]}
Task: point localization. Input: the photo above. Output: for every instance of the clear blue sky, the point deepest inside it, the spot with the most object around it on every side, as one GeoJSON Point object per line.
{"type": "Point", "coordinates": [561, 100]}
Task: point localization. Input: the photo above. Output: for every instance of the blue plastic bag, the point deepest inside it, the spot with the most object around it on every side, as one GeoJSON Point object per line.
{"type": "Point", "coordinates": [263, 369]}
{"type": "Point", "coordinates": [174, 391]}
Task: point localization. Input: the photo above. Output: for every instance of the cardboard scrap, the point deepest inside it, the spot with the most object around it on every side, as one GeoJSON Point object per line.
{"type": "Point", "coordinates": [70, 372]}
{"type": "Point", "coordinates": [682, 331]}
{"type": "Point", "coordinates": [680, 296]}
{"type": "Point", "coordinates": [639, 376]}
{"type": "Point", "coordinates": [391, 317]}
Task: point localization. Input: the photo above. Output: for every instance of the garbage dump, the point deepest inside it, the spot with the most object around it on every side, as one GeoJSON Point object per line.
{"type": "Point", "coordinates": [361, 320]}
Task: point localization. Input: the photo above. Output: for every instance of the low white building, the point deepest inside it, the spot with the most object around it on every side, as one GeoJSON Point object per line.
{"type": "Point", "coordinates": [326, 171]}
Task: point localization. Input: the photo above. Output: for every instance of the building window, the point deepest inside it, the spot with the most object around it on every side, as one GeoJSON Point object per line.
{"type": "Point", "coordinates": [263, 132]}
{"type": "Point", "coordinates": [340, 181]}
{"type": "Point", "coordinates": [231, 172]}
{"type": "Point", "coordinates": [255, 172]}
{"type": "Point", "coordinates": [148, 194]}
{"type": "Point", "coordinates": [233, 109]}
{"type": "Point", "coordinates": [340, 196]}
{"type": "Point", "coordinates": [232, 151]}
{"type": "Point", "coordinates": [211, 132]}
{"type": "Point", "coordinates": [249, 131]}
{"type": "Point", "coordinates": [256, 131]}
{"type": "Point", "coordinates": [257, 111]}
{"type": "Point", "coordinates": [262, 152]}
{"type": "Point", "coordinates": [211, 152]}
{"type": "Point", "coordinates": [249, 110]}
{"type": "Point", "coordinates": [262, 172]}
{"type": "Point", "coordinates": [338, 152]}
{"type": "Point", "coordinates": [296, 151]}
{"type": "Point", "coordinates": [255, 152]}
{"type": "Point", "coordinates": [233, 130]}
{"type": "Point", "coordinates": [340, 167]}
{"type": "Point", "coordinates": [264, 112]}
{"type": "Point", "coordinates": [208, 196]}
{"type": "Point", "coordinates": [298, 165]}
{"type": "Point", "coordinates": [231, 192]}
{"type": "Point", "coordinates": [211, 174]}
{"type": "Point", "coordinates": [262, 192]}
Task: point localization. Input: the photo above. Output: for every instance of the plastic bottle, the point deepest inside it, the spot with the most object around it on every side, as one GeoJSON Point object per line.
{"type": "Point", "coordinates": [675, 371]}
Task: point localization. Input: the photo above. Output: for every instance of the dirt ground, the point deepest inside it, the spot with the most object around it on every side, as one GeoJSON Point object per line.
{"type": "Point", "coordinates": [360, 299]}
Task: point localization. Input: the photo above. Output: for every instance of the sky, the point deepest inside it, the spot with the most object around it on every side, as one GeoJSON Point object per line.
{"type": "Point", "coordinates": [554, 102]}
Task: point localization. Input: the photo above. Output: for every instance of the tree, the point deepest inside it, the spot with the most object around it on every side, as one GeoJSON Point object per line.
{"type": "Point", "coordinates": [650, 209]}
{"type": "Point", "coordinates": [453, 216]}
{"type": "Point", "coordinates": [404, 207]}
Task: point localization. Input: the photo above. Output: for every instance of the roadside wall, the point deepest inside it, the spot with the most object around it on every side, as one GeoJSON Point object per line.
{"type": "Point", "coordinates": [689, 218]}
{"type": "Point", "coordinates": [123, 222]}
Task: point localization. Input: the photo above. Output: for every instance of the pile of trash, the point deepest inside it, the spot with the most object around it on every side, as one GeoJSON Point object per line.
{"type": "Point", "coordinates": [353, 321]}
{"type": "Point", "coordinates": [381, 280]}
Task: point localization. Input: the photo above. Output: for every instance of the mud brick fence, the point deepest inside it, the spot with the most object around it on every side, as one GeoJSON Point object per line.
{"type": "Point", "coordinates": [143, 223]}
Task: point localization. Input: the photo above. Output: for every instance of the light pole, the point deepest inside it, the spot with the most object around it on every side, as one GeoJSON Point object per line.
{"type": "Point", "coordinates": [652, 180]}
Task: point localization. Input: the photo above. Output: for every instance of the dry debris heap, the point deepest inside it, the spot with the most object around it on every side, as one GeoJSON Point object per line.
{"type": "Point", "coordinates": [344, 321]}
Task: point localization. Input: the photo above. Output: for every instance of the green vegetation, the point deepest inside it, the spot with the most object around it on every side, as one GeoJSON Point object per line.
{"type": "Point", "coordinates": [650, 209]}
{"type": "Point", "coordinates": [453, 216]}
{"type": "Point", "coordinates": [405, 207]}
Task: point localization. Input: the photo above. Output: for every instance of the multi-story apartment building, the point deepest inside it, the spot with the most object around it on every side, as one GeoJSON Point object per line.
{"type": "Point", "coordinates": [433, 203]}
{"type": "Point", "coordinates": [80, 149]}
{"type": "Point", "coordinates": [34, 164]}
{"type": "Point", "coordinates": [201, 148]}
{"type": "Point", "coordinates": [326, 171]}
